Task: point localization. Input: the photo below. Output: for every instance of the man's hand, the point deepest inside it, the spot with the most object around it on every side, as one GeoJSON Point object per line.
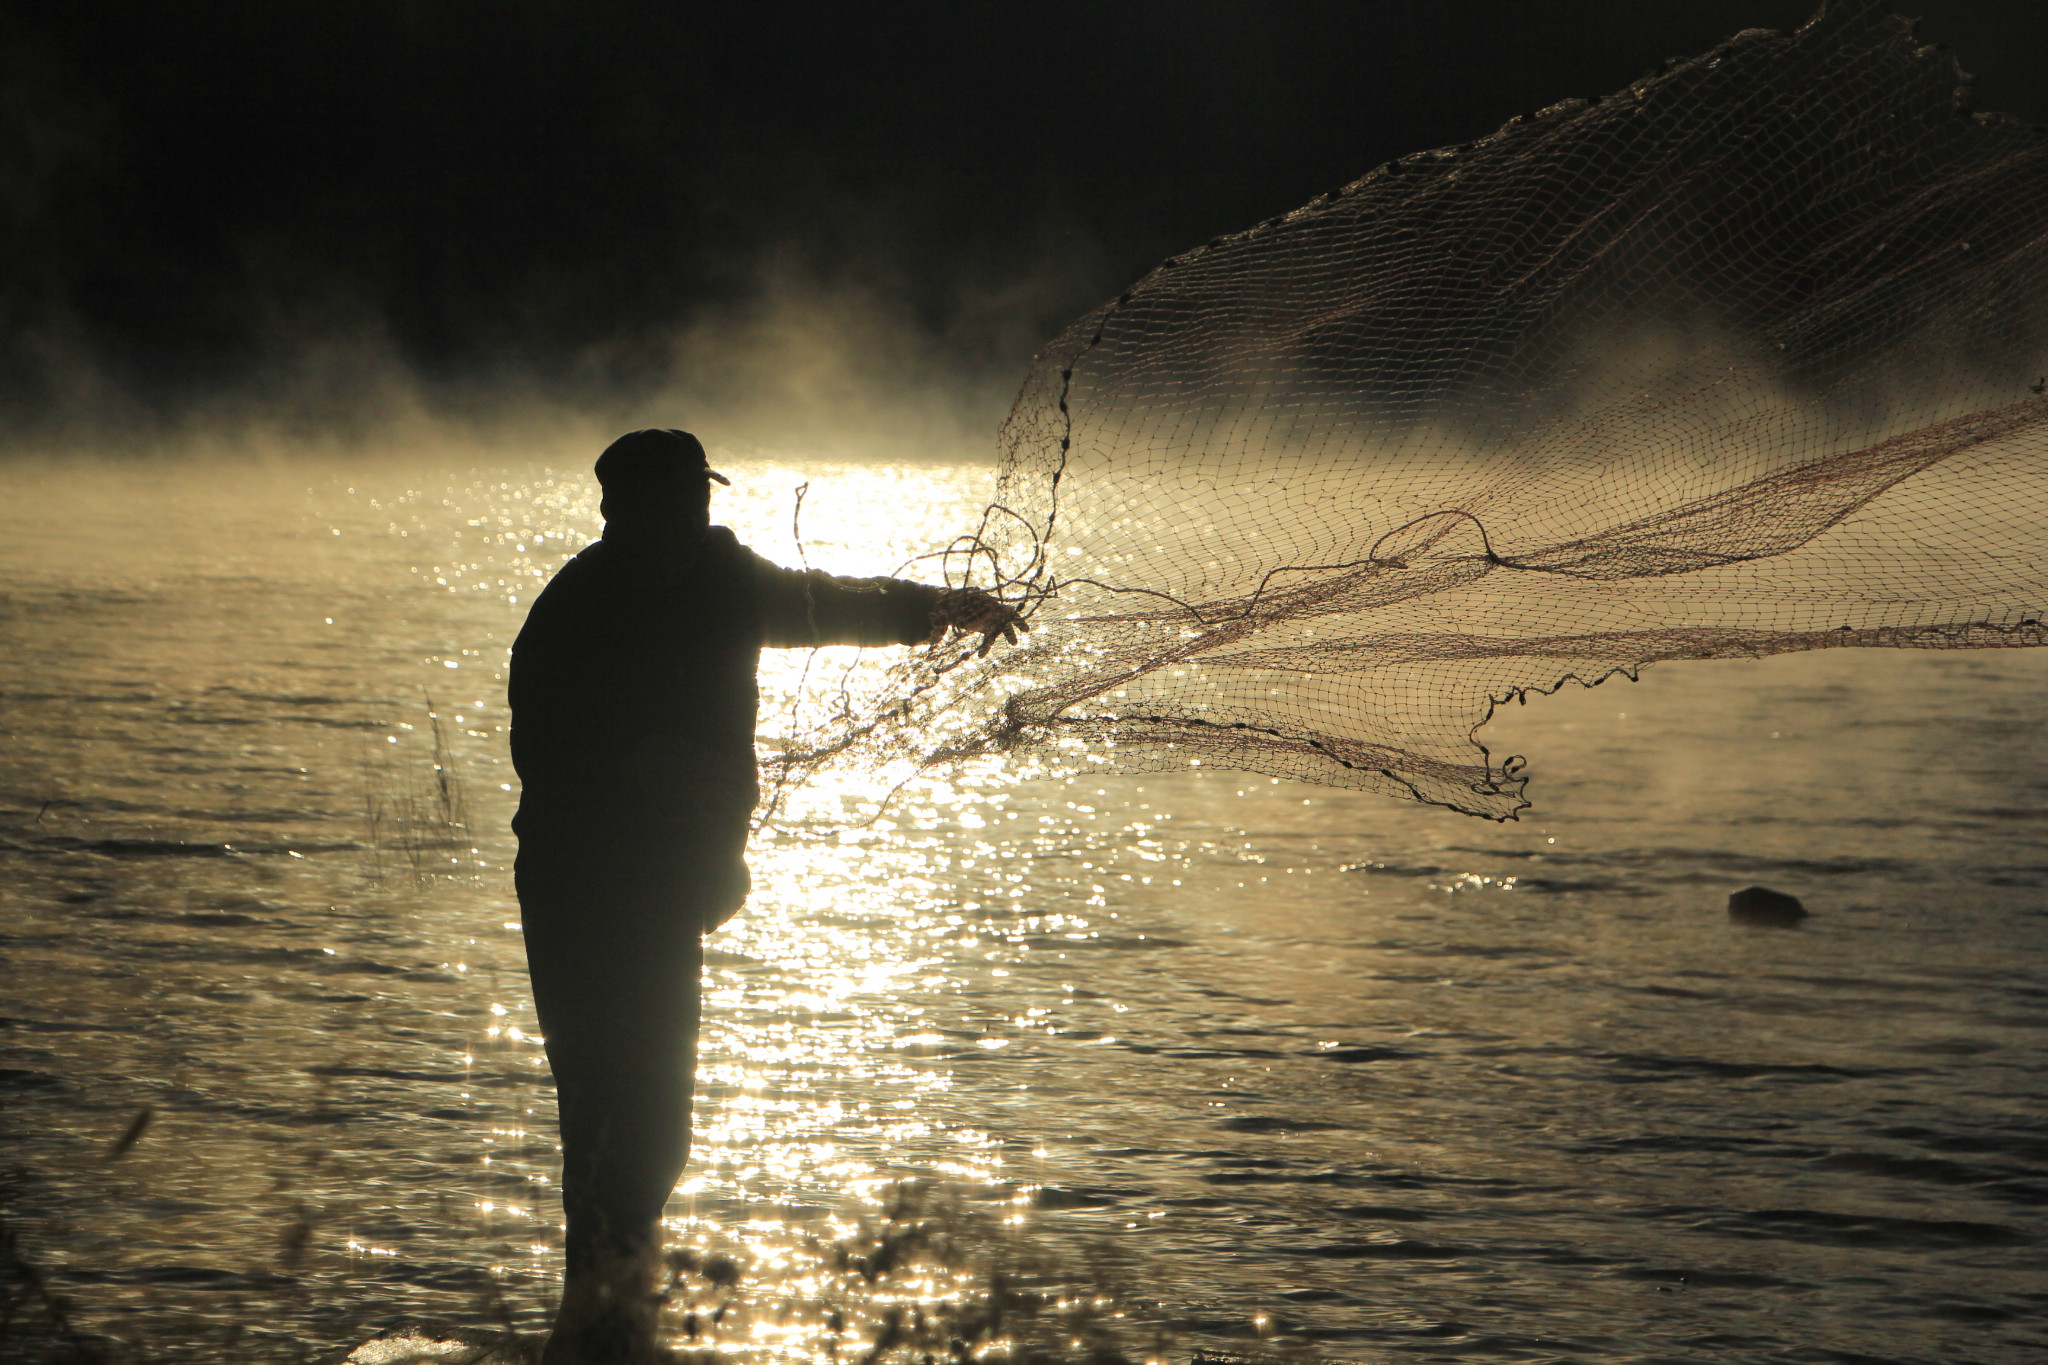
{"type": "Point", "coordinates": [972, 611]}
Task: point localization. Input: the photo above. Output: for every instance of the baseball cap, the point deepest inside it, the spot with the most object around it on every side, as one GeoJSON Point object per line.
{"type": "Point", "coordinates": [651, 453]}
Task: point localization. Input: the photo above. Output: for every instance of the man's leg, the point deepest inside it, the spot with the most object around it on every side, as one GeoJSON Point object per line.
{"type": "Point", "coordinates": [624, 1069]}
{"type": "Point", "coordinates": [615, 983]}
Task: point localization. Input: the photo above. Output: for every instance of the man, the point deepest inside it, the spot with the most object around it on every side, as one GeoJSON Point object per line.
{"type": "Point", "coordinates": [633, 708]}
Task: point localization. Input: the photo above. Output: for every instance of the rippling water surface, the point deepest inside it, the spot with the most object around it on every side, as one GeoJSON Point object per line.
{"type": "Point", "coordinates": [1251, 1063]}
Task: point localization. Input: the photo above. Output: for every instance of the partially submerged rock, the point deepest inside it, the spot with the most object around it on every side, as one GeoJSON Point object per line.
{"type": "Point", "coordinates": [1761, 905]}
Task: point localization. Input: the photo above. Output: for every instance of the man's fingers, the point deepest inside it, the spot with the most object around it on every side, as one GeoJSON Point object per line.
{"type": "Point", "coordinates": [1006, 631]}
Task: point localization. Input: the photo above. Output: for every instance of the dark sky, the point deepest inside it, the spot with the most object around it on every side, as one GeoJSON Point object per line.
{"type": "Point", "coordinates": [544, 194]}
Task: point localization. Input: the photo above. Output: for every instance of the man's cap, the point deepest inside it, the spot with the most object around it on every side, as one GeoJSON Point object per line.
{"type": "Point", "coordinates": [657, 452]}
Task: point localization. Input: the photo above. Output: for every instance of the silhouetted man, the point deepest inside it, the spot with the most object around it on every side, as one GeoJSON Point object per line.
{"type": "Point", "coordinates": [633, 709]}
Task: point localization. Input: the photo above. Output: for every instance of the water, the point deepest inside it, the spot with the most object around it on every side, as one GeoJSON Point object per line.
{"type": "Point", "coordinates": [1271, 1066]}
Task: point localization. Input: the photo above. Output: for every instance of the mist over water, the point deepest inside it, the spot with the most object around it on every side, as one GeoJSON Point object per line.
{"type": "Point", "coordinates": [1268, 1063]}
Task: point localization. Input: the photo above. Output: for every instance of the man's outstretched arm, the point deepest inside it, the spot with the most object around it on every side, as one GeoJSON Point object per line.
{"type": "Point", "coordinates": [800, 609]}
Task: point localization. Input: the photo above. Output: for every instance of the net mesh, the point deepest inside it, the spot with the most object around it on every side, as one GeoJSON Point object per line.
{"type": "Point", "coordinates": [1746, 358]}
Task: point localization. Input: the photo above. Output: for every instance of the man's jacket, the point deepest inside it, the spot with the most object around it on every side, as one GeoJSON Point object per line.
{"type": "Point", "coordinates": [634, 701]}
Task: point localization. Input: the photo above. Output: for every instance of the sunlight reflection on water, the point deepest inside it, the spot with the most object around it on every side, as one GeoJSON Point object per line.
{"type": "Point", "coordinates": [1280, 1063]}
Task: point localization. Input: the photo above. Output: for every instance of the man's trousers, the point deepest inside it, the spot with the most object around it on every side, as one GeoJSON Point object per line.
{"type": "Point", "coordinates": [616, 954]}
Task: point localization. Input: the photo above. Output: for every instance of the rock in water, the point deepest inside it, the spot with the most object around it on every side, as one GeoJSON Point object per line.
{"type": "Point", "coordinates": [1761, 905]}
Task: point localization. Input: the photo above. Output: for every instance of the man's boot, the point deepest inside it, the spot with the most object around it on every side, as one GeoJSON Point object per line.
{"type": "Point", "coordinates": [608, 1313]}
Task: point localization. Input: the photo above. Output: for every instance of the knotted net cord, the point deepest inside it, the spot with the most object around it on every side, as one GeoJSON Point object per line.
{"type": "Point", "coordinates": [1744, 359]}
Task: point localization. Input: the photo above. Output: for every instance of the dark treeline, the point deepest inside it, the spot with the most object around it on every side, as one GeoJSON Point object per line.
{"type": "Point", "coordinates": [541, 193]}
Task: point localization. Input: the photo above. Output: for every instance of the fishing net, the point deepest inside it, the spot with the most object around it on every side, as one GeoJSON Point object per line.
{"type": "Point", "coordinates": [1746, 358]}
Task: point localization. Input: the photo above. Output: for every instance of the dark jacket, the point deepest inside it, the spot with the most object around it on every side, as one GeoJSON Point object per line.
{"type": "Point", "coordinates": [634, 702]}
